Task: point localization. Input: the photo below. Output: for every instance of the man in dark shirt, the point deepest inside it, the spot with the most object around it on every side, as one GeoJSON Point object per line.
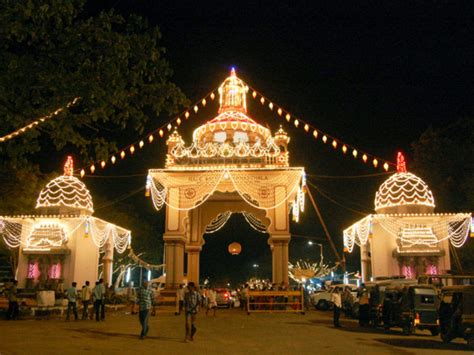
{"type": "Point", "coordinates": [192, 299]}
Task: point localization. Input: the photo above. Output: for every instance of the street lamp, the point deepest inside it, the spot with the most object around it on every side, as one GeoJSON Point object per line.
{"type": "Point", "coordinates": [311, 243]}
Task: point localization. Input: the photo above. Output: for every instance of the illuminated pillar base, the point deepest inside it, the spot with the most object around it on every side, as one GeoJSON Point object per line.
{"type": "Point", "coordinates": [108, 263]}
{"type": "Point", "coordinates": [193, 253]}
{"type": "Point", "coordinates": [279, 246]}
{"type": "Point", "coordinates": [174, 260]}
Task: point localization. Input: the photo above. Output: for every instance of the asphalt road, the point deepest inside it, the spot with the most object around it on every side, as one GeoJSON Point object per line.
{"type": "Point", "coordinates": [230, 332]}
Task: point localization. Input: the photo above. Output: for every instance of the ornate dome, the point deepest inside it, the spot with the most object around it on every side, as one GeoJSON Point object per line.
{"type": "Point", "coordinates": [232, 124]}
{"type": "Point", "coordinates": [66, 192]}
{"type": "Point", "coordinates": [404, 192]}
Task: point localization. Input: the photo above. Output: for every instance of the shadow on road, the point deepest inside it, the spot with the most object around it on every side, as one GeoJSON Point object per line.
{"type": "Point", "coordinates": [423, 344]}
{"type": "Point", "coordinates": [102, 334]}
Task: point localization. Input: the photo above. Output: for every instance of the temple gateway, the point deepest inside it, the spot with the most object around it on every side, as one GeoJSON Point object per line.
{"type": "Point", "coordinates": [233, 165]}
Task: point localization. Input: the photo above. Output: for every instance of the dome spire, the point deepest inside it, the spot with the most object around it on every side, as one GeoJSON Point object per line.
{"type": "Point", "coordinates": [69, 166]}
{"type": "Point", "coordinates": [401, 165]}
{"type": "Point", "coordinates": [233, 94]}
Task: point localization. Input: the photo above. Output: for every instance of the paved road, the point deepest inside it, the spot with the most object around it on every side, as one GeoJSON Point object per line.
{"type": "Point", "coordinates": [231, 332]}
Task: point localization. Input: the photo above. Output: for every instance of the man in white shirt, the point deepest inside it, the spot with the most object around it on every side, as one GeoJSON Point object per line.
{"type": "Point", "coordinates": [86, 299]}
{"type": "Point", "coordinates": [71, 298]}
{"type": "Point", "coordinates": [212, 301]}
{"type": "Point", "coordinates": [337, 301]}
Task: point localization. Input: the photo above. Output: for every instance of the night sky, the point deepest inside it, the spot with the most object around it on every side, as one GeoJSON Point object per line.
{"type": "Point", "coordinates": [373, 76]}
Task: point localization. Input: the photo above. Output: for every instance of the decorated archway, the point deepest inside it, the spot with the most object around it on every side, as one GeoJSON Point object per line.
{"type": "Point", "coordinates": [233, 165]}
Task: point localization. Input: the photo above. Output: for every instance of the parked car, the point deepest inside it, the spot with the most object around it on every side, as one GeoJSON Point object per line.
{"type": "Point", "coordinates": [456, 314]}
{"type": "Point", "coordinates": [224, 298]}
{"type": "Point", "coordinates": [322, 300]}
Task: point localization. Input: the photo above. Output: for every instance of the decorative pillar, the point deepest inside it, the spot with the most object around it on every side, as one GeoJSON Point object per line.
{"type": "Point", "coordinates": [279, 247]}
{"type": "Point", "coordinates": [193, 252]}
{"type": "Point", "coordinates": [174, 260]}
{"type": "Point", "coordinates": [108, 262]}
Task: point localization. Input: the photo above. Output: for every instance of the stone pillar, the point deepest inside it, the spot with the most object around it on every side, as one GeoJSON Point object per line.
{"type": "Point", "coordinates": [193, 252]}
{"type": "Point", "coordinates": [108, 262]}
{"type": "Point", "coordinates": [279, 247]}
{"type": "Point", "coordinates": [174, 260]}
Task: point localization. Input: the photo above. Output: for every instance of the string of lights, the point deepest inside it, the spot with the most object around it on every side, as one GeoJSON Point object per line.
{"type": "Point", "coordinates": [38, 121]}
{"type": "Point", "coordinates": [150, 137]}
{"type": "Point", "coordinates": [317, 133]}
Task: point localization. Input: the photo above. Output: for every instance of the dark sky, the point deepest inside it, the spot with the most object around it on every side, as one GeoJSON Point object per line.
{"type": "Point", "coordinates": [373, 74]}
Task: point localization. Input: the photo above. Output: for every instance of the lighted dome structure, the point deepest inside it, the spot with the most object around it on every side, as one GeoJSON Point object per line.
{"type": "Point", "coordinates": [405, 237]}
{"type": "Point", "coordinates": [404, 192]}
{"type": "Point", "coordinates": [66, 193]}
{"type": "Point", "coordinates": [232, 135]}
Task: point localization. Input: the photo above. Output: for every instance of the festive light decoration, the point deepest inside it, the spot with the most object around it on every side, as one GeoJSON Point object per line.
{"type": "Point", "coordinates": [136, 259]}
{"type": "Point", "coordinates": [66, 191]}
{"type": "Point", "coordinates": [304, 270]}
{"type": "Point", "coordinates": [218, 222]}
{"type": "Point", "coordinates": [234, 248]}
{"type": "Point", "coordinates": [454, 227]}
{"type": "Point", "coordinates": [38, 121]}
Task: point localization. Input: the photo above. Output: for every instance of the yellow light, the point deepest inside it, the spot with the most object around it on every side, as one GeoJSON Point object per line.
{"type": "Point", "coordinates": [254, 94]}
{"type": "Point", "coordinates": [344, 149]}
{"type": "Point", "coordinates": [186, 114]}
{"type": "Point", "coordinates": [315, 134]}
{"type": "Point", "coordinates": [92, 168]}
{"type": "Point", "coordinates": [132, 149]}
{"type": "Point", "coordinates": [325, 139]}
{"type": "Point", "coordinates": [141, 144]}
{"type": "Point", "coordinates": [196, 109]}
{"type": "Point", "coordinates": [375, 162]}
{"type": "Point", "coordinates": [178, 121]}
{"type": "Point", "coordinates": [122, 154]}
{"type": "Point", "coordinates": [334, 143]}
{"type": "Point", "coordinates": [113, 159]}
{"type": "Point", "coordinates": [262, 100]}
{"type": "Point", "coordinates": [270, 106]}
{"type": "Point", "coordinates": [306, 127]}
{"type": "Point", "coordinates": [102, 164]}
{"type": "Point", "coordinates": [280, 111]}
{"type": "Point", "coordinates": [161, 133]}
{"type": "Point", "coordinates": [213, 96]}
{"type": "Point", "coordinates": [354, 153]}
{"type": "Point", "coordinates": [204, 102]}
{"type": "Point", "coordinates": [150, 138]}
{"type": "Point", "coordinates": [296, 122]}
{"type": "Point", "coordinates": [385, 166]}
{"type": "Point", "coordinates": [83, 173]}
{"type": "Point", "coordinates": [364, 158]}
{"type": "Point", "coordinates": [169, 126]}
{"type": "Point", "coordinates": [288, 117]}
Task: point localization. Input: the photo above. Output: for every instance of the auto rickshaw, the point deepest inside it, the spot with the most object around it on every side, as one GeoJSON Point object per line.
{"type": "Point", "coordinates": [411, 307]}
{"type": "Point", "coordinates": [456, 313]}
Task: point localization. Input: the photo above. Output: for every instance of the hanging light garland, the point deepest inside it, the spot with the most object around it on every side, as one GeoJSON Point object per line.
{"type": "Point", "coordinates": [40, 120]}
{"type": "Point", "coordinates": [150, 137]}
{"type": "Point", "coordinates": [325, 138]}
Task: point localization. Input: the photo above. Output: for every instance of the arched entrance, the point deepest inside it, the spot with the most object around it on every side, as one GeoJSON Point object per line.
{"type": "Point", "coordinates": [234, 164]}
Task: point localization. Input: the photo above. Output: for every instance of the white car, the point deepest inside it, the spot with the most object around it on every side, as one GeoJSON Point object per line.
{"type": "Point", "coordinates": [322, 300]}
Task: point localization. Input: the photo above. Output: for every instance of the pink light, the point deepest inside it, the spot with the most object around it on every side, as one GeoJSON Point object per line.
{"type": "Point", "coordinates": [33, 270]}
{"type": "Point", "coordinates": [407, 271]}
{"type": "Point", "coordinates": [432, 270]}
{"type": "Point", "coordinates": [55, 271]}
{"type": "Point", "coordinates": [401, 165]}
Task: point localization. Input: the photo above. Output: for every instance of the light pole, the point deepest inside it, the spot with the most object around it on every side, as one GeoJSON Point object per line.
{"type": "Point", "coordinates": [311, 243]}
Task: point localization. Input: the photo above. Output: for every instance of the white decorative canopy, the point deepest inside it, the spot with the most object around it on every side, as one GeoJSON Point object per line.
{"type": "Point", "coordinates": [66, 191]}
{"type": "Point", "coordinates": [403, 189]}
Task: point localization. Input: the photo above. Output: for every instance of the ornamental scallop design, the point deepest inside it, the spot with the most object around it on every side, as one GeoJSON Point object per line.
{"type": "Point", "coordinates": [67, 191]}
{"type": "Point", "coordinates": [401, 189]}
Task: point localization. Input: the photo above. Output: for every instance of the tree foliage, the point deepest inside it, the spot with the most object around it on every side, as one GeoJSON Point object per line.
{"type": "Point", "coordinates": [50, 53]}
{"type": "Point", "coordinates": [444, 158]}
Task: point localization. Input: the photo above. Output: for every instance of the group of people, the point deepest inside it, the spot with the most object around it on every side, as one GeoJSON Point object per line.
{"type": "Point", "coordinates": [88, 296]}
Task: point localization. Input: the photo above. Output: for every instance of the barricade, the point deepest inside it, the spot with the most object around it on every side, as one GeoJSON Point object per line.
{"type": "Point", "coordinates": [275, 302]}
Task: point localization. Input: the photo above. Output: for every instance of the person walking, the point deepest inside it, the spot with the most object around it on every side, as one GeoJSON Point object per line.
{"type": "Point", "coordinates": [180, 293]}
{"type": "Point", "coordinates": [364, 307]}
{"type": "Point", "coordinates": [337, 302]}
{"type": "Point", "coordinates": [71, 295]}
{"type": "Point", "coordinates": [145, 301]}
{"type": "Point", "coordinates": [102, 304]}
{"type": "Point", "coordinates": [191, 308]}
{"type": "Point", "coordinates": [132, 297]}
{"type": "Point", "coordinates": [211, 301]}
{"type": "Point", "coordinates": [12, 294]}
{"type": "Point", "coordinates": [86, 296]}
{"type": "Point", "coordinates": [97, 293]}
